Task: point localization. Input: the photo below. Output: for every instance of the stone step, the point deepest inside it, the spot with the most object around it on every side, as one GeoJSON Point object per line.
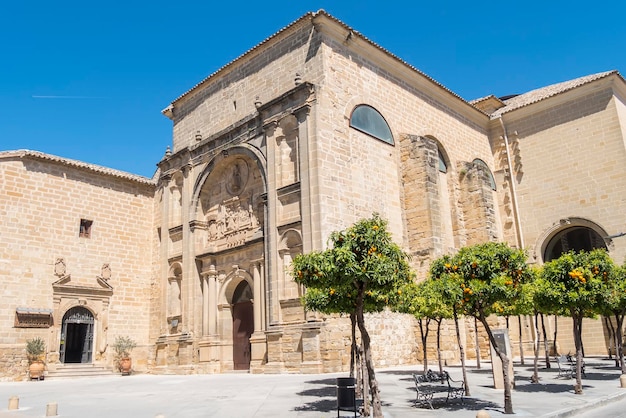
{"type": "Point", "coordinates": [71, 371]}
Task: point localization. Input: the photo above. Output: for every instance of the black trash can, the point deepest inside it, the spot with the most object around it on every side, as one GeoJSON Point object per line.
{"type": "Point", "coordinates": [346, 396]}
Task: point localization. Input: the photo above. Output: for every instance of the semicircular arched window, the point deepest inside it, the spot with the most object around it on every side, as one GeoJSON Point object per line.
{"type": "Point", "coordinates": [368, 120]}
{"type": "Point", "coordinates": [481, 163]}
{"type": "Point", "coordinates": [443, 167]}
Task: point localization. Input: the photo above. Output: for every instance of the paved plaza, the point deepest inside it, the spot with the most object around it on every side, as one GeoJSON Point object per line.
{"type": "Point", "coordinates": [297, 395]}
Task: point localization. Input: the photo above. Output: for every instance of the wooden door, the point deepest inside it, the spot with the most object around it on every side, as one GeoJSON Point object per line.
{"type": "Point", "coordinates": [243, 327]}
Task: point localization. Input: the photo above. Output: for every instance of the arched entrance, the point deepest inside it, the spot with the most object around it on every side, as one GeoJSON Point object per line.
{"type": "Point", "coordinates": [243, 325]}
{"type": "Point", "coordinates": [77, 336]}
{"type": "Point", "coordinates": [576, 238]}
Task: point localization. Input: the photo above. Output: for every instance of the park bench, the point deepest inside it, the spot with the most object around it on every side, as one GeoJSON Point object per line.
{"type": "Point", "coordinates": [567, 366]}
{"type": "Point", "coordinates": [432, 384]}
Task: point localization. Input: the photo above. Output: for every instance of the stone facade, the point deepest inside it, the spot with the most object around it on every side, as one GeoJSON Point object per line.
{"type": "Point", "coordinates": [267, 160]}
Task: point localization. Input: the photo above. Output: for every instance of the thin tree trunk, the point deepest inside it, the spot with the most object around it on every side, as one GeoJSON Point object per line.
{"type": "Point", "coordinates": [365, 338]}
{"type": "Point", "coordinates": [365, 392]}
{"type": "Point", "coordinates": [619, 318]}
{"type": "Point", "coordinates": [578, 319]}
{"type": "Point", "coordinates": [439, 345]}
{"type": "Point", "coordinates": [615, 344]}
{"type": "Point", "coordinates": [556, 327]}
{"type": "Point", "coordinates": [424, 336]}
{"type": "Point", "coordinates": [461, 351]}
{"type": "Point", "coordinates": [612, 338]}
{"type": "Point", "coordinates": [477, 343]}
{"type": "Point", "coordinates": [353, 347]}
{"type": "Point", "coordinates": [545, 342]}
{"type": "Point", "coordinates": [535, 376]}
{"type": "Point", "coordinates": [508, 400]}
{"type": "Point", "coordinates": [521, 342]}
{"type": "Point", "coordinates": [360, 379]}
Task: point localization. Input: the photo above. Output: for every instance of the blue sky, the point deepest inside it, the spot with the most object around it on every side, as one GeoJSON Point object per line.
{"type": "Point", "coordinates": [88, 80]}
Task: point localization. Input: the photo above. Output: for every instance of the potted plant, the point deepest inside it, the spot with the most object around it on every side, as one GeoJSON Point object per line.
{"type": "Point", "coordinates": [123, 347]}
{"type": "Point", "coordinates": [35, 351]}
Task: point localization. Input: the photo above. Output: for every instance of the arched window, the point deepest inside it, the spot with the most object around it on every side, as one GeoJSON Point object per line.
{"type": "Point", "coordinates": [442, 162]}
{"type": "Point", "coordinates": [481, 163]}
{"type": "Point", "coordinates": [367, 120]}
{"type": "Point", "coordinates": [577, 238]}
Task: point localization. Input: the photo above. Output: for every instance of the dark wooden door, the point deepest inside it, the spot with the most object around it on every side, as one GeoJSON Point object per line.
{"type": "Point", "coordinates": [243, 327]}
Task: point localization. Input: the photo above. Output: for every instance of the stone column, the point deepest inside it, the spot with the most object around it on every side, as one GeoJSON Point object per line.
{"type": "Point", "coordinates": [188, 261]}
{"type": "Point", "coordinates": [164, 251]}
{"type": "Point", "coordinates": [258, 345]}
{"type": "Point", "coordinates": [270, 225]}
{"type": "Point", "coordinates": [208, 301]}
{"type": "Point", "coordinates": [256, 275]}
{"type": "Point", "coordinates": [305, 176]}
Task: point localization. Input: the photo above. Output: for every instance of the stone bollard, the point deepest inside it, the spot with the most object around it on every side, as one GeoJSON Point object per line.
{"type": "Point", "coordinates": [482, 414]}
{"type": "Point", "coordinates": [14, 403]}
{"type": "Point", "coordinates": [622, 381]}
{"type": "Point", "coordinates": [51, 409]}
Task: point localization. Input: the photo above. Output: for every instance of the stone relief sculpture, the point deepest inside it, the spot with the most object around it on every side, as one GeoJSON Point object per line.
{"type": "Point", "coordinates": [237, 177]}
{"type": "Point", "coordinates": [231, 216]}
{"type": "Point", "coordinates": [59, 267]}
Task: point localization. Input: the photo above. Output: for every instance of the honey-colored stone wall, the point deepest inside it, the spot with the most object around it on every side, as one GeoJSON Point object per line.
{"type": "Point", "coordinates": [43, 204]}
{"type": "Point", "coordinates": [569, 163]}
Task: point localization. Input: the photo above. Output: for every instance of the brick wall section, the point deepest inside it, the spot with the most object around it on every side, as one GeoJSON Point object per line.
{"type": "Point", "coordinates": [42, 205]}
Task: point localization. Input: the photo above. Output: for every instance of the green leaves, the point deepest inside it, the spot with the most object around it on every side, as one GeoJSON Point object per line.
{"type": "Point", "coordinates": [577, 281]}
{"type": "Point", "coordinates": [482, 279]}
{"type": "Point", "coordinates": [363, 261]}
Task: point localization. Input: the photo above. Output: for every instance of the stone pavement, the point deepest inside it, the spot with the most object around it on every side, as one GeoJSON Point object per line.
{"type": "Point", "coordinates": [295, 395]}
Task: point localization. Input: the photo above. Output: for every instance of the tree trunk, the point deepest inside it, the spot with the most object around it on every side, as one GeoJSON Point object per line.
{"type": "Point", "coordinates": [521, 342]}
{"type": "Point", "coordinates": [612, 338]}
{"type": "Point", "coordinates": [353, 346]}
{"type": "Point", "coordinates": [615, 345]}
{"type": "Point", "coordinates": [619, 318]}
{"type": "Point", "coordinates": [461, 351]}
{"type": "Point", "coordinates": [477, 343]}
{"type": "Point", "coordinates": [508, 401]}
{"type": "Point", "coordinates": [365, 391]}
{"type": "Point", "coordinates": [360, 379]}
{"type": "Point", "coordinates": [365, 338]}
{"type": "Point", "coordinates": [556, 327]}
{"type": "Point", "coordinates": [578, 319]}
{"type": "Point", "coordinates": [439, 345]}
{"type": "Point", "coordinates": [424, 335]}
{"type": "Point", "coordinates": [535, 376]}
{"type": "Point", "coordinates": [545, 342]}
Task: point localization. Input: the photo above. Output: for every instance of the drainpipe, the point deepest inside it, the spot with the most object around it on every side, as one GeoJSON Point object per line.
{"type": "Point", "coordinates": [518, 224]}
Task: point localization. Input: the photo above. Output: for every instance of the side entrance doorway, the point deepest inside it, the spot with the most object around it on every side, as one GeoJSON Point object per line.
{"type": "Point", "coordinates": [77, 336]}
{"type": "Point", "coordinates": [243, 326]}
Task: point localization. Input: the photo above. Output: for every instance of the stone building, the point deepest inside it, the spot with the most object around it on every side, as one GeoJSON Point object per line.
{"type": "Point", "coordinates": [304, 134]}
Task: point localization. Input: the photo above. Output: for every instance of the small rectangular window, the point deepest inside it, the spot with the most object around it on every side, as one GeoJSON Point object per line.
{"type": "Point", "coordinates": [85, 228]}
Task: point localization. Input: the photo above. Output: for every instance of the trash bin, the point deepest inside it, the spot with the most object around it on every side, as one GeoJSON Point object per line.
{"type": "Point", "coordinates": [346, 396]}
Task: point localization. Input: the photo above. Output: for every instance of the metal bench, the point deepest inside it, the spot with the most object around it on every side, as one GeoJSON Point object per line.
{"type": "Point", "coordinates": [567, 366]}
{"type": "Point", "coordinates": [433, 383]}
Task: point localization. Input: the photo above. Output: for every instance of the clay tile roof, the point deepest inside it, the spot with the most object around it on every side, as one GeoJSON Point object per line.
{"type": "Point", "coordinates": [543, 93]}
{"type": "Point", "coordinates": [24, 153]}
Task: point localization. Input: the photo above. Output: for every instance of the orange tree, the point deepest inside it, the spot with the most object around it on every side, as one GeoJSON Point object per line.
{"type": "Point", "coordinates": [478, 280]}
{"type": "Point", "coordinates": [615, 305]}
{"type": "Point", "coordinates": [362, 271]}
{"type": "Point", "coordinates": [425, 302]}
{"type": "Point", "coordinates": [579, 283]}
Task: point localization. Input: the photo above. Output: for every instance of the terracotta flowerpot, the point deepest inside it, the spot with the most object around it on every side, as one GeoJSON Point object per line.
{"type": "Point", "coordinates": [35, 370]}
{"type": "Point", "coordinates": [125, 366]}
